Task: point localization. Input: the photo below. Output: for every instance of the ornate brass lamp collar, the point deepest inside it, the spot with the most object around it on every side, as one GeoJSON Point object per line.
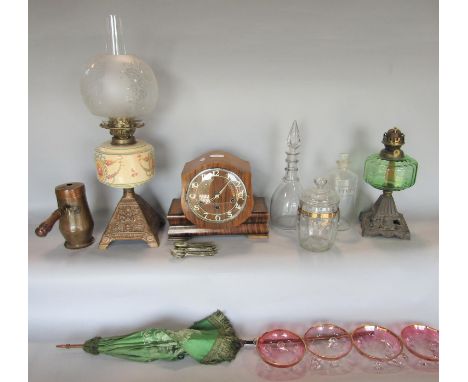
{"type": "Point", "coordinates": [122, 129]}
{"type": "Point", "coordinates": [393, 139]}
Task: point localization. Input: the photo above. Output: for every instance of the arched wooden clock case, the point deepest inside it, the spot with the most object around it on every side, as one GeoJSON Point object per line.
{"type": "Point", "coordinates": [217, 199]}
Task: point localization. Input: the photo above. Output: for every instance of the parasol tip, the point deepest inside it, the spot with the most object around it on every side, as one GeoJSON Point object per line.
{"type": "Point", "coordinates": [69, 346]}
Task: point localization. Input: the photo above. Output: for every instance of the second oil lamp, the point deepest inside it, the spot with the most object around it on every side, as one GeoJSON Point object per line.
{"type": "Point", "coordinates": [390, 170]}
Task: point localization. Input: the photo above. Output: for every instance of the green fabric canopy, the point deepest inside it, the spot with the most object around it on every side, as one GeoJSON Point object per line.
{"type": "Point", "coordinates": [208, 341]}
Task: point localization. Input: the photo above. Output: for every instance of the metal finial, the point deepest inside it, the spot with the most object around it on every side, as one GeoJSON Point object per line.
{"type": "Point", "coordinates": [294, 137]}
{"type": "Point", "coordinates": [69, 346]}
{"type": "Point", "coordinates": [393, 139]}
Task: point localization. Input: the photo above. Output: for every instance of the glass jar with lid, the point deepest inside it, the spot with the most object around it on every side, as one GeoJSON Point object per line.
{"type": "Point", "coordinates": [318, 216]}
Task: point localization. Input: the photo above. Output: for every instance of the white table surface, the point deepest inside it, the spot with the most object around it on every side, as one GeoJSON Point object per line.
{"type": "Point", "coordinates": [260, 284]}
{"type": "Point", "coordinates": [46, 364]}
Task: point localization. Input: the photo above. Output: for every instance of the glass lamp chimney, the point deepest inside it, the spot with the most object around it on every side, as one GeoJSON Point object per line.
{"type": "Point", "coordinates": [115, 44]}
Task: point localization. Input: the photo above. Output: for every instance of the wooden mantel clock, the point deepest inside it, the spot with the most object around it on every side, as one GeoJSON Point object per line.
{"type": "Point", "coordinates": [217, 199]}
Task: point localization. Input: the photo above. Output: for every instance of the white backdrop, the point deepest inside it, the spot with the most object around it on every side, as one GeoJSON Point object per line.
{"type": "Point", "coordinates": [234, 75]}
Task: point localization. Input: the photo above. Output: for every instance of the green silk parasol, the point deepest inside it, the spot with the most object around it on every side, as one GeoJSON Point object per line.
{"type": "Point", "coordinates": [208, 341]}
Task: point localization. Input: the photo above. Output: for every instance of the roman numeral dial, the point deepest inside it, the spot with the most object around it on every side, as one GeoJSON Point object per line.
{"type": "Point", "coordinates": [216, 195]}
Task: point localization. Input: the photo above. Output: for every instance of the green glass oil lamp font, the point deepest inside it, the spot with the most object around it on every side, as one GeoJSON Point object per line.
{"type": "Point", "coordinates": [390, 170]}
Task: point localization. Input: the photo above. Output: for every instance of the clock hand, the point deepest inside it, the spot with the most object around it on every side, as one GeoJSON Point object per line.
{"type": "Point", "coordinates": [220, 192]}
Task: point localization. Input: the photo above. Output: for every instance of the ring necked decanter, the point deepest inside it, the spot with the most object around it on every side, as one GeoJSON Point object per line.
{"type": "Point", "coordinates": [285, 199]}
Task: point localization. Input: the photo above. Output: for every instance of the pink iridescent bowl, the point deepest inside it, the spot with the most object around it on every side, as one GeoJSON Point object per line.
{"type": "Point", "coordinates": [328, 341]}
{"type": "Point", "coordinates": [281, 348]}
{"type": "Point", "coordinates": [376, 342]}
{"type": "Point", "coordinates": [422, 341]}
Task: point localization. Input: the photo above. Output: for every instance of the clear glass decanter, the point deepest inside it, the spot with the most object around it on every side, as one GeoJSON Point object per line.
{"type": "Point", "coordinates": [345, 182]}
{"type": "Point", "coordinates": [285, 199]}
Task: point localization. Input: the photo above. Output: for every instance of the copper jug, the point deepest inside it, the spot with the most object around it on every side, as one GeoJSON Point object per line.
{"type": "Point", "coordinates": [76, 223]}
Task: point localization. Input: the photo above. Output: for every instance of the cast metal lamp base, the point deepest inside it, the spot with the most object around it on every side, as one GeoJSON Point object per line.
{"type": "Point", "coordinates": [383, 219]}
{"type": "Point", "coordinates": [133, 219]}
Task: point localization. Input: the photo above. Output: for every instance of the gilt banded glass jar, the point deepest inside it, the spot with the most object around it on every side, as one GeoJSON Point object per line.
{"type": "Point", "coordinates": [318, 216]}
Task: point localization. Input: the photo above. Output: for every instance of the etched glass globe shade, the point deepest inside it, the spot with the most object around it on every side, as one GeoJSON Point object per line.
{"type": "Point", "coordinates": [116, 84]}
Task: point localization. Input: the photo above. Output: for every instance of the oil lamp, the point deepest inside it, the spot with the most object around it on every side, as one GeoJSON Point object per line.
{"type": "Point", "coordinates": [122, 87]}
{"type": "Point", "coordinates": [390, 170]}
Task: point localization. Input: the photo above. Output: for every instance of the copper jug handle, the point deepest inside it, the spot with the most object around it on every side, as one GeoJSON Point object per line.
{"type": "Point", "coordinates": [44, 228]}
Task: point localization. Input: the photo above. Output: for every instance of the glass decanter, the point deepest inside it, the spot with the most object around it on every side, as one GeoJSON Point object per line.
{"type": "Point", "coordinates": [285, 199]}
{"type": "Point", "coordinates": [345, 182]}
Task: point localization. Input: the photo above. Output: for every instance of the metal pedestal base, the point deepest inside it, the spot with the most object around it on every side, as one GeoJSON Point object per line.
{"type": "Point", "coordinates": [133, 219]}
{"type": "Point", "coordinates": [383, 219]}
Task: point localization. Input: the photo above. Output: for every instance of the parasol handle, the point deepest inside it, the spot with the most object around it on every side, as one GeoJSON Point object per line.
{"type": "Point", "coordinates": [69, 346]}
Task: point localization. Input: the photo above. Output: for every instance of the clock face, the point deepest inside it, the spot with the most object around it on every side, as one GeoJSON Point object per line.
{"type": "Point", "coordinates": [216, 195]}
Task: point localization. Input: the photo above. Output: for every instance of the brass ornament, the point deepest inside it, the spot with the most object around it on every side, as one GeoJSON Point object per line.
{"type": "Point", "coordinates": [122, 129]}
{"type": "Point", "coordinates": [393, 139]}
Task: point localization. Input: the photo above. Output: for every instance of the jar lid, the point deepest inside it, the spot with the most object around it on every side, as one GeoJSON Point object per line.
{"type": "Point", "coordinates": [320, 196]}
{"type": "Point", "coordinates": [343, 162]}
